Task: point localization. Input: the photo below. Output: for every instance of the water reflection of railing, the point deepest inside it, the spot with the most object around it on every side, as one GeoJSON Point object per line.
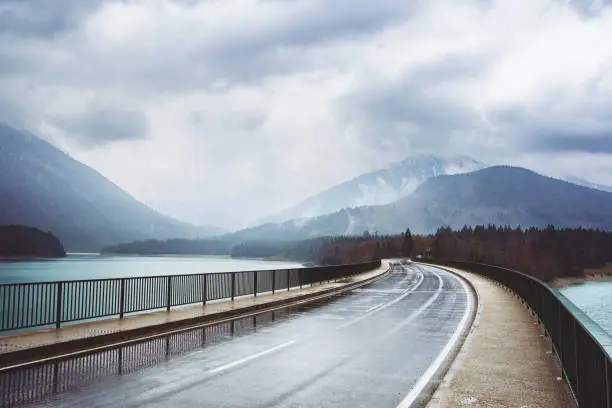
{"type": "Point", "coordinates": [26, 305]}
{"type": "Point", "coordinates": [39, 381]}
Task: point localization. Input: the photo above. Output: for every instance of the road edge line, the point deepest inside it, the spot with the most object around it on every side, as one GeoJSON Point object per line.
{"type": "Point", "coordinates": [437, 378]}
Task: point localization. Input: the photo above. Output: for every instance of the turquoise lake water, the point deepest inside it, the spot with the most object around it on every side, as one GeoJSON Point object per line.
{"type": "Point", "coordinates": [76, 267]}
{"type": "Point", "coordinates": [595, 298]}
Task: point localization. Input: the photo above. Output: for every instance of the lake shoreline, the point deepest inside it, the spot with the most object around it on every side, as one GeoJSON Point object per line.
{"type": "Point", "coordinates": [561, 283]}
{"type": "Point", "coordinates": [5, 258]}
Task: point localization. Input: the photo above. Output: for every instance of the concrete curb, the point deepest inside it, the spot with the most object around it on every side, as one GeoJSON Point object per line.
{"type": "Point", "coordinates": [68, 348]}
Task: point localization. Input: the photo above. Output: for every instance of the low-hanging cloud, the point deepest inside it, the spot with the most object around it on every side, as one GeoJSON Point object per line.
{"type": "Point", "coordinates": [102, 124]}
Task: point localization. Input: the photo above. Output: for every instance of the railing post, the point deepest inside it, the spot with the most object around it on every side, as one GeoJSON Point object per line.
{"type": "Point", "coordinates": [204, 294]}
{"type": "Point", "coordinates": [233, 285]}
{"type": "Point", "coordinates": [169, 294]}
{"type": "Point", "coordinates": [288, 280]}
{"type": "Point", "coordinates": [122, 299]}
{"type": "Point", "coordinates": [58, 317]}
{"type": "Point", "coordinates": [559, 345]}
{"type": "Point", "coordinates": [577, 390]}
{"type": "Point", "coordinates": [608, 381]}
{"type": "Point", "coordinates": [300, 278]}
{"type": "Point", "coordinates": [255, 283]}
{"type": "Point", "coordinates": [273, 280]}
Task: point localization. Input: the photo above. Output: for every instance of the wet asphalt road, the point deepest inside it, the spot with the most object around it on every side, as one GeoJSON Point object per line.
{"type": "Point", "coordinates": [376, 347]}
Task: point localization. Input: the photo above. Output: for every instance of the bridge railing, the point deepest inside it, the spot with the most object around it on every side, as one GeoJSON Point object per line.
{"type": "Point", "coordinates": [27, 305]}
{"type": "Point", "coordinates": [582, 346]}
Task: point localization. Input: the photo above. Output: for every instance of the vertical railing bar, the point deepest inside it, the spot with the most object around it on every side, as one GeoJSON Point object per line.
{"type": "Point", "coordinates": [58, 319]}
{"type": "Point", "coordinates": [301, 277]}
{"type": "Point", "coordinates": [45, 305]}
{"type": "Point", "coordinates": [29, 305]}
{"type": "Point", "coordinates": [233, 289]}
{"type": "Point", "coordinates": [3, 323]}
{"type": "Point", "coordinates": [97, 301]}
{"type": "Point", "coordinates": [273, 280]}
{"type": "Point", "coordinates": [122, 298]}
{"type": "Point", "coordinates": [14, 306]}
{"type": "Point", "coordinates": [255, 283]}
{"type": "Point", "coordinates": [205, 289]}
{"type": "Point", "coordinates": [169, 287]}
{"type": "Point", "coordinates": [86, 289]}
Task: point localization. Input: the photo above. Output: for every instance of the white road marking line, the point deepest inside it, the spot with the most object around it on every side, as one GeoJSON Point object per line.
{"type": "Point", "coordinates": [435, 365]}
{"type": "Point", "coordinates": [331, 317]}
{"type": "Point", "coordinates": [374, 307]}
{"type": "Point", "coordinates": [420, 310]}
{"type": "Point", "coordinates": [250, 358]}
{"type": "Point", "coordinates": [408, 291]}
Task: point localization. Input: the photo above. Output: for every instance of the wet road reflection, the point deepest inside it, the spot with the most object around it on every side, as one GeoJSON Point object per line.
{"type": "Point", "coordinates": [367, 348]}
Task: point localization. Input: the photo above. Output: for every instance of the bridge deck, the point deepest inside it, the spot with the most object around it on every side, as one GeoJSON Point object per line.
{"type": "Point", "coordinates": [45, 337]}
{"type": "Point", "coordinates": [505, 362]}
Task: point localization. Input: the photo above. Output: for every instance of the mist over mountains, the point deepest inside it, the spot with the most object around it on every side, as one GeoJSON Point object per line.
{"type": "Point", "coordinates": [42, 187]}
{"type": "Point", "coordinates": [379, 187]}
{"type": "Point", "coordinates": [500, 195]}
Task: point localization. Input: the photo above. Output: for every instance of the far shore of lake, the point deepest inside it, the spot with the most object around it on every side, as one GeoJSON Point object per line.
{"type": "Point", "coordinates": [590, 275]}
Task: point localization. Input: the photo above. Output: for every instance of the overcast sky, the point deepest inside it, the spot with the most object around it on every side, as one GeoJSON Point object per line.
{"type": "Point", "coordinates": [224, 111]}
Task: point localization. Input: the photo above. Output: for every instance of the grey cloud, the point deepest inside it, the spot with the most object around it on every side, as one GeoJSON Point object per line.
{"type": "Point", "coordinates": [554, 126]}
{"type": "Point", "coordinates": [247, 120]}
{"type": "Point", "coordinates": [251, 54]}
{"type": "Point", "coordinates": [583, 144]}
{"type": "Point", "coordinates": [43, 18]}
{"type": "Point", "coordinates": [590, 8]}
{"type": "Point", "coordinates": [100, 125]}
{"type": "Point", "coordinates": [234, 55]}
{"type": "Point", "coordinates": [412, 109]}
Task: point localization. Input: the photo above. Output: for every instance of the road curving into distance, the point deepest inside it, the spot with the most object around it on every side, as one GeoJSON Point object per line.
{"type": "Point", "coordinates": [383, 345]}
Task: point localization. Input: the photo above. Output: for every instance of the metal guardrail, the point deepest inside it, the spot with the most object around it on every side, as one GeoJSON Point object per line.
{"type": "Point", "coordinates": [582, 346]}
{"type": "Point", "coordinates": [27, 305]}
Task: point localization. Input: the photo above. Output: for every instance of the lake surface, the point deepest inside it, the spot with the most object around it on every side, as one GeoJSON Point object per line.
{"type": "Point", "coordinates": [76, 267]}
{"type": "Point", "coordinates": [595, 299]}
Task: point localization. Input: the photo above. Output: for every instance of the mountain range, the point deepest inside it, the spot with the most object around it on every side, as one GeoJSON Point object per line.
{"type": "Point", "coordinates": [379, 187]}
{"type": "Point", "coordinates": [501, 195]}
{"type": "Point", "coordinates": [42, 187]}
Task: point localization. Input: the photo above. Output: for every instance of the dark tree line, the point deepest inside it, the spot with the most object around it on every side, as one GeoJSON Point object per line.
{"type": "Point", "coordinates": [171, 247]}
{"type": "Point", "coordinates": [543, 252]}
{"type": "Point", "coordinates": [546, 253]}
{"type": "Point", "coordinates": [19, 241]}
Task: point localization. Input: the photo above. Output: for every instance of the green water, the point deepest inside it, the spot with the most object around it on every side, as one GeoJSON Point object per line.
{"type": "Point", "coordinates": [595, 299]}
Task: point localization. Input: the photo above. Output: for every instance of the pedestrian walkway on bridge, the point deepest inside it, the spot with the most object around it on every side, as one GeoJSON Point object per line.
{"type": "Point", "coordinates": [505, 362]}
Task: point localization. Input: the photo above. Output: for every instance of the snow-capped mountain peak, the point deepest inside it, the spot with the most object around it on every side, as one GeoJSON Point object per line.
{"type": "Point", "coordinates": [379, 187]}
